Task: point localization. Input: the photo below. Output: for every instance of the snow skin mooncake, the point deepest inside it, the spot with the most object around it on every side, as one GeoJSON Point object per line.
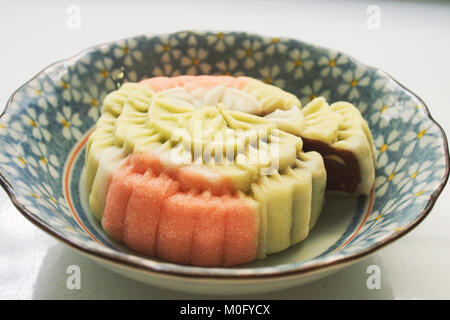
{"type": "Point", "coordinates": [220, 170]}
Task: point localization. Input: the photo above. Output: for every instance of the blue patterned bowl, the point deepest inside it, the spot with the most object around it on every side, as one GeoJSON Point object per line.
{"type": "Point", "coordinates": [45, 125]}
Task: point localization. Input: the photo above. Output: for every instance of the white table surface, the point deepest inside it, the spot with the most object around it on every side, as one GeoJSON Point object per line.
{"type": "Point", "coordinates": [413, 45]}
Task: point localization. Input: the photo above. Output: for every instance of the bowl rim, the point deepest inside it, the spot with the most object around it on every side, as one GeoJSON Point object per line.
{"type": "Point", "coordinates": [274, 273]}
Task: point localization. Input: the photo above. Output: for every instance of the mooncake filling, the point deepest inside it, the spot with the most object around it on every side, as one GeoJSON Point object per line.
{"type": "Point", "coordinates": [343, 172]}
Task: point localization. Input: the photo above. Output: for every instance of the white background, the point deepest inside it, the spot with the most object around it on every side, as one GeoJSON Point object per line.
{"type": "Point", "coordinates": [413, 45]}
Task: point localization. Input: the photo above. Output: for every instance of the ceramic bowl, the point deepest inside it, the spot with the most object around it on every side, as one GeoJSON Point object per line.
{"type": "Point", "coordinates": [47, 121]}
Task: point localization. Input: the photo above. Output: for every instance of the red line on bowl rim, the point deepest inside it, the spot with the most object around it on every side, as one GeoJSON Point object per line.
{"type": "Point", "coordinates": [66, 179]}
{"type": "Point", "coordinates": [366, 216]}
